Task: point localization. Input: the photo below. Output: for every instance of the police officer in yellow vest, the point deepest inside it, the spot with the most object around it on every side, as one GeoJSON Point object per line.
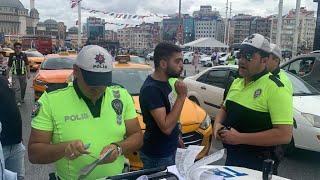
{"type": "Point", "coordinates": [273, 66]}
{"type": "Point", "coordinates": [74, 126]}
{"type": "Point", "coordinates": [19, 67]}
{"type": "Point", "coordinates": [257, 114]}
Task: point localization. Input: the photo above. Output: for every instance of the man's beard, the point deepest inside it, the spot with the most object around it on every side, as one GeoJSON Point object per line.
{"type": "Point", "coordinates": [172, 74]}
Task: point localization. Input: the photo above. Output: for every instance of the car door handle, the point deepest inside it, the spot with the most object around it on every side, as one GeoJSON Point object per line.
{"type": "Point", "coordinates": [203, 87]}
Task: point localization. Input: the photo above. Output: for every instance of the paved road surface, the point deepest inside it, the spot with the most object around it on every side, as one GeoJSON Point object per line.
{"type": "Point", "coordinates": [301, 165]}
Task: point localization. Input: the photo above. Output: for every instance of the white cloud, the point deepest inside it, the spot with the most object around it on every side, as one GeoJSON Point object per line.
{"type": "Point", "coordinates": [60, 9]}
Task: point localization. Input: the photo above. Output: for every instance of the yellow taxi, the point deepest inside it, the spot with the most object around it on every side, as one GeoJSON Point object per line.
{"type": "Point", "coordinates": [196, 124]}
{"type": "Point", "coordinates": [53, 72]}
{"type": "Point", "coordinates": [7, 51]}
{"type": "Point", "coordinates": [133, 59]}
{"type": "Point", "coordinates": [35, 58]}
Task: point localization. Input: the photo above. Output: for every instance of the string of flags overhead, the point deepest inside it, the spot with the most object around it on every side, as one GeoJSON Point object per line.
{"type": "Point", "coordinates": [74, 3]}
{"type": "Point", "coordinates": [122, 15]}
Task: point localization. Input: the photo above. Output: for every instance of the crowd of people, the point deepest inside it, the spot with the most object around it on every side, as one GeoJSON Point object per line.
{"type": "Point", "coordinates": [90, 117]}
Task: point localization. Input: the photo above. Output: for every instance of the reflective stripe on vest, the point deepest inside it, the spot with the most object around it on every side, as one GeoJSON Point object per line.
{"type": "Point", "coordinates": [14, 67]}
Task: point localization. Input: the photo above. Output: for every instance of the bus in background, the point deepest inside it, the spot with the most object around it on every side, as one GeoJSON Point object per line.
{"type": "Point", "coordinates": [43, 44]}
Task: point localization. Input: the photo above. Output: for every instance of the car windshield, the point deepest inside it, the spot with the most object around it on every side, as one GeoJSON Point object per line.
{"type": "Point", "coordinates": [34, 54]}
{"type": "Point", "coordinates": [137, 59]}
{"type": "Point", "coordinates": [300, 87]}
{"type": "Point", "coordinates": [131, 79]}
{"type": "Point", "coordinates": [58, 63]}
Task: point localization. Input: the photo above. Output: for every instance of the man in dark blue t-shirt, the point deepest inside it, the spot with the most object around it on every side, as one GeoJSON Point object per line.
{"type": "Point", "coordinates": [161, 109]}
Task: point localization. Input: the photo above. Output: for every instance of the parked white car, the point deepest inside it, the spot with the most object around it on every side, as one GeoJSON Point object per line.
{"type": "Point", "coordinates": [207, 88]}
{"type": "Point", "coordinates": [187, 57]}
{"type": "Point", "coordinates": [223, 60]}
{"type": "Point", "coordinates": [207, 62]}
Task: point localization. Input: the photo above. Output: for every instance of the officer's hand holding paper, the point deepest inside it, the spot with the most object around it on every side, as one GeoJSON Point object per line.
{"type": "Point", "coordinates": [110, 158]}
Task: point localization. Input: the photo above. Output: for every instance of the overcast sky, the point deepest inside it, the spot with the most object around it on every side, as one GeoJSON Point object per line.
{"type": "Point", "coordinates": [60, 9]}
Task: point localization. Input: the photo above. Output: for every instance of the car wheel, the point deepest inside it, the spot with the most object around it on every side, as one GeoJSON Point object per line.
{"type": "Point", "coordinates": [186, 61]}
{"type": "Point", "coordinates": [288, 149]}
{"type": "Point", "coordinates": [195, 100]}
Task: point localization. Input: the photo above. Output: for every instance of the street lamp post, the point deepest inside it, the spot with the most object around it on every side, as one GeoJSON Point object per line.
{"type": "Point", "coordinates": [279, 25]}
{"type": "Point", "coordinates": [79, 25]}
{"type": "Point", "coordinates": [296, 32]}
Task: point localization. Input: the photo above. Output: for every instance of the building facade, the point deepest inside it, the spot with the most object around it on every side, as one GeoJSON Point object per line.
{"type": "Point", "coordinates": [140, 37]}
{"type": "Point", "coordinates": [169, 28]}
{"type": "Point", "coordinates": [17, 20]}
{"type": "Point", "coordinates": [208, 23]}
{"type": "Point", "coordinates": [243, 25]}
{"type": "Point", "coordinates": [111, 36]}
{"type": "Point", "coordinates": [95, 28]}
{"type": "Point", "coordinates": [316, 42]}
{"type": "Point", "coordinates": [306, 29]}
{"type": "Point", "coordinates": [188, 28]}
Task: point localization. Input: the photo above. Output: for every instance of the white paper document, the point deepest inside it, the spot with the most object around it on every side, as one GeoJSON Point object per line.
{"type": "Point", "coordinates": [185, 160]}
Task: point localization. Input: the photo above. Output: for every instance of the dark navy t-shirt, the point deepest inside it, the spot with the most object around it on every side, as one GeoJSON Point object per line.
{"type": "Point", "coordinates": [156, 94]}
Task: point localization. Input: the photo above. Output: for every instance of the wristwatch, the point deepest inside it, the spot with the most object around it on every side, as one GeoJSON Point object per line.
{"type": "Point", "coordinates": [119, 148]}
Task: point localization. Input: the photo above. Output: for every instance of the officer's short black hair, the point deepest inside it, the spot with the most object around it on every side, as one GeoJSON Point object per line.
{"type": "Point", "coordinates": [17, 44]}
{"type": "Point", "coordinates": [163, 51]}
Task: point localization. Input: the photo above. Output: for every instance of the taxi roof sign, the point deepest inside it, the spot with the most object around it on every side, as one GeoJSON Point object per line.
{"type": "Point", "coordinates": [122, 59]}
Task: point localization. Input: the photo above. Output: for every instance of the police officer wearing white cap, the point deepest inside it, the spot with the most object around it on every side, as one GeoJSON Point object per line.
{"type": "Point", "coordinates": [257, 113]}
{"type": "Point", "coordinates": [74, 126]}
{"type": "Point", "coordinates": [273, 66]}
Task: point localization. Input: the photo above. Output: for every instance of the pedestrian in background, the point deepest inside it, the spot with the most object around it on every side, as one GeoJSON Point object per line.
{"type": "Point", "coordinates": [195, 61]}
{"type": "Point", "coordinates": [161, 109]}
{"type": "Point", "coordinates": [19, 66]}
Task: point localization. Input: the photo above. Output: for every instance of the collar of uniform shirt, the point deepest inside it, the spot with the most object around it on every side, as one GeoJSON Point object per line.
{"type": "Point", "coordinates": [79, 92]}
{"type": "Point", "coordinates": [276, 71]}
{"type": "Point", "coordinates": [95, 109]}
{"type": "Point", "coordinates": [259, 75]}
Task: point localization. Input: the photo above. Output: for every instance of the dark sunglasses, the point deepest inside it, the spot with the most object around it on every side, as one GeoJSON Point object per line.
{"type": "Point", "coordinates": [18, 47]}
{"type": "Point", "coordinates": [245, 54]}
{"type": "Point", "coordinates": [248, 54]}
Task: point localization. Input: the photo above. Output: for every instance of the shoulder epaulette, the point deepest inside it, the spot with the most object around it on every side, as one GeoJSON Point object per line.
{"type": "Point", "coordinates": [55, 87]}
{"type": "Point", "coordinates": [276, 80]}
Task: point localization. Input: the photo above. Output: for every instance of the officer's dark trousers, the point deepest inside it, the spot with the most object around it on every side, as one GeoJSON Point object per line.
{"type": "Point", "coordinates": [251, 160]}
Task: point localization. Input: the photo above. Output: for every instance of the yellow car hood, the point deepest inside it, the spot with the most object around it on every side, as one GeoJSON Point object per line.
{"type": "Point", "coordinates": [192, 115]}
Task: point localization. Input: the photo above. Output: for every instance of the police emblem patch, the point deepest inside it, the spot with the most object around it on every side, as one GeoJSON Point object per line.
{"type": "Point", "coordinates": [257, 93]}
{"type": "Point", "coordinates": [35, 109]}
{"type": "Point", "coordinates": [117, 106]}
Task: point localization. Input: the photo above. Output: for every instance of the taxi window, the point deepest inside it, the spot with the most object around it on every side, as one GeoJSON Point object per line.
{"type": "Point", "coordinates": [137, 59]}
{"type": "Point", "coordinates": [58, 63]}
{"type": "Point", "coordinates": [131, 79]}
{"type": "Point", "coordinates": [33, 54]}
